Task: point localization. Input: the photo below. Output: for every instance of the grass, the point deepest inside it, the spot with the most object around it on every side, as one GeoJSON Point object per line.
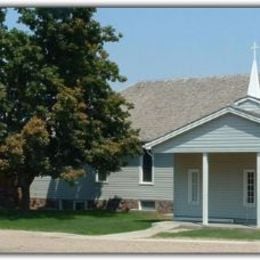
{"type": "Point", "coordinates": [215, 233]}
{"type": "Point", "coordinates": [85, 223]}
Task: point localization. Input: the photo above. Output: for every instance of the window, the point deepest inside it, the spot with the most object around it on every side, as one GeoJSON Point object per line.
{"type": "Point", "coordinates": [193, 186]}
{"type": "Point", "coordinates": [79, 205]}
{"type": "Point", "coordinates": [147, 205]}
{"type": "Point", "coordinates": [101, 177]}
{"type": "Point", "coordinates": [66, 205]}
{"type": "Point", "coordinates": [249, 188]}
{"type": "Point", "coordinates": [146, 171]}
{"type": "Point", "coordinates": [72, 205]}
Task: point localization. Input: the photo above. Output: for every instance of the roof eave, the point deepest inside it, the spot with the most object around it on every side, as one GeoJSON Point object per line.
{"type": "Point", "coordinates": [243, 99]}
{"type": "Point", "coordinates": [201, 121]}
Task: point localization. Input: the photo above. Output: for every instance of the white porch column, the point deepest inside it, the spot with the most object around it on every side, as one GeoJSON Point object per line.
{"type": "Point", "coordinates": [258, 190]}
{"type": "Point", "coordinates": [205, 188]}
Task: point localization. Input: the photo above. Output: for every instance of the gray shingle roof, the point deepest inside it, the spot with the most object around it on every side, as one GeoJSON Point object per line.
{"type": "Point", "coordinates": [163, 106]}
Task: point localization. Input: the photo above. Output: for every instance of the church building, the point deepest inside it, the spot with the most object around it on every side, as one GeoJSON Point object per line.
{"type": "Point", "coordinates": [201, 159]}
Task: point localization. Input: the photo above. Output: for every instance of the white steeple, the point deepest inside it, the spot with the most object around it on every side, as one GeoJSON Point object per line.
{"type": "Point", "coordinates": [253, 87]}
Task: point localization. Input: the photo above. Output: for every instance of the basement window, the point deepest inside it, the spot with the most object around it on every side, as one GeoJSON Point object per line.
{"type": "Point", "coordinates": [66, 204]}
{"type": "Point", "coordinates": [101, 177]}
{"type": "Point", "coordinates": [147, 205]}
{"type": "Point", "coordinates": [72, 205]}
{"type": "Point", "coordinates": [79, 205]}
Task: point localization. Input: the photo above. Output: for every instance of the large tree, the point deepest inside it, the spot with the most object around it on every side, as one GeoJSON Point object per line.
{"type": "Point", "coordinates": [57, 109]}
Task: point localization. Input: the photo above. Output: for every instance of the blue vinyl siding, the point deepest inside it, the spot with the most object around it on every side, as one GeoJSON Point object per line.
{"type": "Point", "coordinates": [123, 184]}
{"type": "Point", "coordinates": [250, 105]}
{"type": "Point", "coordinates": [228, 133]}
{"type": "Point", "coordinates": [225, 185]}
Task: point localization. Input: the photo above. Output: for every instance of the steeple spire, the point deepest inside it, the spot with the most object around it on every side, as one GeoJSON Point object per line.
{"type": "Point", "coordinates": [254, 88]}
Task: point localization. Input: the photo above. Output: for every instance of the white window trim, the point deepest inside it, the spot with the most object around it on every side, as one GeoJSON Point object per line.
{"type": "Point", "coordinates": [190, 171]}
{"type": "Point", "coordinates": [139, 205]}
{"type": "Point", "coordinates": [99, 181]}
{"type": "Point", "coordinates": [245, 203]}
{"type": "Point", "coordinates": [141, 182]}
{"type": "Point", "coordinates": [141, 208]}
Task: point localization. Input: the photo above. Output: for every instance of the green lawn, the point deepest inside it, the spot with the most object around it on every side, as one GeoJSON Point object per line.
{"type": "Point", "coordinates": [87, 223]}
{"type": "Point", "coordinates": [215, 233]}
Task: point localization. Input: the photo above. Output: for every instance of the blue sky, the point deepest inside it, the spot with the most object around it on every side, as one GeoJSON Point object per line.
{"type": "Point", "coordinates": [165, 43]}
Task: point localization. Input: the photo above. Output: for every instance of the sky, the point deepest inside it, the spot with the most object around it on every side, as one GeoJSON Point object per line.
{"type": "Point", "coordinates": [168, 43]}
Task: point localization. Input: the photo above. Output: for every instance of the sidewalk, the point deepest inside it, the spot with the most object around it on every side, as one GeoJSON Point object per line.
{"type": "Point", "coordinates": [170, 226]}
{"type": "Point", "coordinates": [158, 227]}
{"type": "Point", "coordinates": [14, 241]}
{"type": "Point", "coordinates": [42, 242]}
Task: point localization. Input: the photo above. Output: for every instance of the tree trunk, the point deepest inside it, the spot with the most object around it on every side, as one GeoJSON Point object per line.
{"type": "Point", "coordinates": [25, 198]}
{"type": "Point", "coordinates": [23, 193]}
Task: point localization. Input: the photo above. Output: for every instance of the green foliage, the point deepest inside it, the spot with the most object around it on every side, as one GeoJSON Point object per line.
{"type": "Point", "coordinates": [57, 109]}
{"type": "Point", "coordinates": [26, 151]}
{"type": "Point", "coordinates": [12, 156]}
{"type": "Point", "coordinates": [2, 17]}
{"type": "Point", "coordinates": [70, 174]}
{"type": "Point", "coordinates": [70, 123]}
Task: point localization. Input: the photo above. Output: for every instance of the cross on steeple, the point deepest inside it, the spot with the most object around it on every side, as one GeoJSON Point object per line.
{"type": "Point", "coordinates": [254, 47]}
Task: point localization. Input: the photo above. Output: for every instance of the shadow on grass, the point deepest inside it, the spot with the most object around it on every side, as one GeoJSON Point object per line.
{"type": "Point", "coordinates": [60, 215]}
{"type": "Point", "coordinates": [149, 220]}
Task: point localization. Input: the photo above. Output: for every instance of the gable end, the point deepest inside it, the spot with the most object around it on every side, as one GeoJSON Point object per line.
{"type": "Point", "coordinates": [227, 110]}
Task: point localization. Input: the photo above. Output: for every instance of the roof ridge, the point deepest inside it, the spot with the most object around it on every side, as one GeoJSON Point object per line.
{"type": "Point", "coordinates": [177, 79]}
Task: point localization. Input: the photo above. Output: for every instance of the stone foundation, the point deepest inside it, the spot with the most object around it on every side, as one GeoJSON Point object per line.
{"type": "Point", "coordinates": [131, 204]}
{"type": "Point", "coordinates": [115, 204]}
{"type": "Point", "coordinates": [164, 206]}
{"type": "Point", "coordinates": [38, 203]}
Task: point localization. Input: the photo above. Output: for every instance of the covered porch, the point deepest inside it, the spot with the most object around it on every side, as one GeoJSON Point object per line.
{"type": "Point", "coordinates": [216, 166]}
{"type": "Point", "coordinates": [216, 187]}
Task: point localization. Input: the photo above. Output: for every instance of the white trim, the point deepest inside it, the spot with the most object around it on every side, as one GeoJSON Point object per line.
{"type": "Point", "coordinates": [190, 172]}
{"type": "Point", "coordinates": [139, 205]}
{"type": "Point", "coordinates": [141, 182]}
{"type": "Point", "coordinates": [199, 122]}
{"type": "Point", "coordinates": [247, 98]}
{"type": "Point", "coordinates": [99, 181]}
{"type": "Point", "coordinates": [253, 86]}
{"type": "Point", "coordinates": [223, 220]}
{"type": "Point", "coordinates": [245, 203]}
{"type": "Point", "coordinates": [258, 190]}
{"type": "Point", "coordinates": [205, 188]}
{"type": "Point", "coordinates": [141, 208]}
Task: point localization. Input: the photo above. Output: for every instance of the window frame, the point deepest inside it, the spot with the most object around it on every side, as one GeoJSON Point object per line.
{"type": "Point", "coordinates": [245, 188]}
{"type": "Point", "coordinates": [141, 208]}
{"type": "Point", "coordinates": [85, 203]}
{"type": "Point", "coordinates": [190, 201]}
{"type": "Point", "coordinates": [141, 182]}
{"type": "Point", "coordinates": [100, 181]}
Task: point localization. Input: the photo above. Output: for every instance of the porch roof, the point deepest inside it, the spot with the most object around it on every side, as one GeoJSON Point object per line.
{"type": "Point", "coordinates": [249, 115]}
